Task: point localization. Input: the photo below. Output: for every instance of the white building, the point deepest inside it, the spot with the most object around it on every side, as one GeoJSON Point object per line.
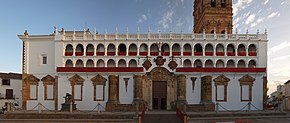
{"type": "Point", "coordinates": [122, 72]}
{"type": "Point", "coordinates": [10, 89]}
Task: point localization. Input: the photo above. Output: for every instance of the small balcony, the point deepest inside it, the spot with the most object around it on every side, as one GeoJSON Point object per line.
{"type": "Point", "coordinates": [165, 53]}
{"type": "Point", "coordinates": [121, 53]}
{"type": "Point", "coordinates": [176, 53]}
{"type": "Point", "coordinates": [143, 53]}
{"type": "Point", "coordinates": [208, 53]}
{"type": "Point", "coordinates": [68, 53]}
{"type": "Point", "coordinates": [187, 54]}
{"type": "Point", "coordinates": [197, 53]}
{"type": "Point", "coordinates": [154, 53]}
{"type": "Point", "coordinates": [100, 53]}
{"type": "Point", "coordinates": [89, 53]}
{"type": "Point", "coordinates": [230, 53]}
{"type": "Point", "coordinates": [132, 53]}
{"type": "Point", "coordinates": [242, 53]}
{"type": "Point", "coordinates": [111, 53]}
{"type": "Point", "coordinates": [220, 53]}
{"type": "Point", "coordinates": [79, 53]}
{"type": "Point", "coordinates": [252, 54]}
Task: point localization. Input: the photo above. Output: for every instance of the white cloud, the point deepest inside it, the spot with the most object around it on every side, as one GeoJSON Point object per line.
{"type": "Point", "coordinates": [142, 19]}
{"type": "Point", "coordinates": [250, 19]}
{"type": "Point", "coordinates": [240, 5]}
{"type": "Point", "coordinates": [279, 47]}
{"type": "Point", "coordinates": [281, 58]}
{"type": "Point", "coordinates": [166, 19]}
{"type": "Point", "coordinates": [273, 14]}
{"type": "Point", "coordinates": [266, 1]}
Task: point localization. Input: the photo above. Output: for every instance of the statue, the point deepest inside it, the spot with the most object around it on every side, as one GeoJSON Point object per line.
{"type": "Point", "coordinates": [69, 101]}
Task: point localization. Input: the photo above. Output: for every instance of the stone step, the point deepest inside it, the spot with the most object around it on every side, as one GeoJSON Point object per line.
{"type": "Point", "coordinates": [161, 118]}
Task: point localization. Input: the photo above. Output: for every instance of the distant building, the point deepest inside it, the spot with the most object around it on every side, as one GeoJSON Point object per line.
{"type": "Point", "coordinates": [10, 89]}
{"type": "Point", "coordinates": [287, 95]}
{"type": "Point", "coordinates": [162, 71]}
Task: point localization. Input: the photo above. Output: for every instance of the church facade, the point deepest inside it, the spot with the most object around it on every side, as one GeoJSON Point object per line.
{"type": "Point", "coordinates": [198, 71]}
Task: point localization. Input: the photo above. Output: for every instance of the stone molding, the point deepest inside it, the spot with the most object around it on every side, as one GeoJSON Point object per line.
{"type": "Point", "coordinates": [246, 80]}
{"type": "Point", "coordinates": [221, 80]}
{"type": "Point", "coordinates": [99, 80]}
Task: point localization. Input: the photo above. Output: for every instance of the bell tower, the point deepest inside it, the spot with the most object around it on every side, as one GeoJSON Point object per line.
{"type": "Point", "coordinates": [213, 15]}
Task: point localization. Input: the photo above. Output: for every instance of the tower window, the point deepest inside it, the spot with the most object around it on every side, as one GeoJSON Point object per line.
{"type": "Point", "coordinates": [213, 3]}
{"type": "Point", "coordinates": [44, 59]}
{"type": "Point", "coordinates": [5, 81]}
{"type": "Point", "coordinates": [223, 3]}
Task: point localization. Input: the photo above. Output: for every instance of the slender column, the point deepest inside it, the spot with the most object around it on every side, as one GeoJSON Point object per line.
{"type": "Point", "coordinates": [181, 93]}
{"type": "Point", "coordinates": [181, 87]}
{"type": "Point", "coordinates": [113, 89]}
{"type": "Point", "coordinates": [206, 89]}
{"type": "Point", "coordinates": [138, 88]}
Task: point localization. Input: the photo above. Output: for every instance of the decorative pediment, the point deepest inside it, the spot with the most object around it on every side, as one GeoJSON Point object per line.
{"type": "Point", "coordinates": [247, 80]}
{"type": "Point", "coordinates": [48, 79]}
{"type": "Point", "coordinates": [76, 79]}
{"type": "Point", "coordinates": [222, 78]}
{"type": "Point", "coordinates": [99, 80]}
{"type": "Point", "coordinates": [160, 74]}
{"type": "Point", "coordinates": [31, 79]}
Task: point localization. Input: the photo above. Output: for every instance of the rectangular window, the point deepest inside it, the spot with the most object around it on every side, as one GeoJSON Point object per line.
{"type": "Point", "coordinates": [9, 94]}
{"type": "Point", "coordinates": [44, 59]}
{"type": "Point", "coordinates": [49, 92]}
{"type": "Point", "coordinates": [99, 92]}
{"type": "Point", "coordinates": [220, 93]}
{"type": "Point", "coordinates": [5, 81]}
{"type": "Point", "coordinates": [78, 92]}
{"type": "Point", "coordinates": [33, 92]}
{"type": "Point", "coordinates": [245, 92]}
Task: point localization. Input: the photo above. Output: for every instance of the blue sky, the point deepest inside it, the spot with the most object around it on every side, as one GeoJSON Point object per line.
{"type": "Point", "coordinates": [40, 16]}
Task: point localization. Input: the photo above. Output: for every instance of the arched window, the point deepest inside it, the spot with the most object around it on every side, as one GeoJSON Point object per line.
{"type": "Point", "coordinates": [197, 64]}
{"type": "Point", "coordinates": [212, 32]}
{"type": "Point", "coordinates": [208, 64]}
{"type": "Point", "coordinates": [220, 51]}
{"type": "Point", "coordinates": [143, 51]}
{"type": "Point", "coordinates": [111, 63]}
{"type": "Point", "coordinates": [187, 50]}
{"type": "Point", "coordinates": [208, 50]}
{"type": "Point", "coordinates": [79, 50]}
{"type": "Point", "coordinates": [90, 63]}
{"type": "Point", "coordinates": [100, 50]}
{"type": "Point", "coordinates": [165, 50]}
{"type": "Point", "coordinates": [111, 51]}
{"type": "Point", "coordinates": [230, 64]}
{"type": "Point", "coordinates": [122, 63]}
{"type": "Point", "coordinates": [241, 64]}
{"type": "Point", "coordinates": [230, 50]}
{"type": "Point", "coordinates": [154, 50]}
{"type": "Point", "coordinates": [69, 50]}
{"type": "Point", "coordinates": [133, 63]}
{"type": "Point", "coordinates": [241, 50]}
{"type": "Point", "coordinates": [176, 50]}
{"type": "Point", "coordinates": [220, 64]}
{"type": "Point", "coordinates": [90, 50]}
{"type": "Point", "coordinates": [223, 3]}
{"type": "Point", "coordinates": [223, 32]}
{"type": "Point", "coordinates": [79, 63]}
{"type": "Point", "coordinates": [69, 63]}
{"type": "Point", "coordinates": [187, 63]}
{"type": "Point", "coordinates": [100, 63]}
{"type": "Point", "coordinates": [252, 64]}
{"type": "Point", "coordinates": [213, 3]}
{"type": "Point", "coordinates": [197, 50]}
{"type": "Point", "coordinates": [122, 50]}
{"type": "Point", "coordinates": [252, 50]}
{"type": "Point", "coordinates": [133, 50]}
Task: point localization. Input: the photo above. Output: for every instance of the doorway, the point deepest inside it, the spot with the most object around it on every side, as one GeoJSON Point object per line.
{"type": "Point", "coordinates": [159, 95]}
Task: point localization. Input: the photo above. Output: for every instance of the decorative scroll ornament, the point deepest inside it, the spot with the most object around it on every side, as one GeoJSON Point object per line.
{"type": "Point", "coordinates": [147, 64]}
{"type": "Point", "coordinates": [193, 79]}
{"type": "Point", "coordinates": [159, 61]}
{"type": "Point", "coordinates": [172, 64]}
{"type": "Point", "coordinates": [126, 83]}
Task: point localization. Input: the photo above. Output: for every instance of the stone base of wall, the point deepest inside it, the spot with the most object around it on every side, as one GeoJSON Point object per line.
{"type": "Point", "coordinates": [119, 107]}
{"type": "Point", "coordinates": [200, 107]}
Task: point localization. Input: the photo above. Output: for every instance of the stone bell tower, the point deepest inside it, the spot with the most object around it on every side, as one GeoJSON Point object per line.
{"type": "Point", "coordinates": [213, 16]}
